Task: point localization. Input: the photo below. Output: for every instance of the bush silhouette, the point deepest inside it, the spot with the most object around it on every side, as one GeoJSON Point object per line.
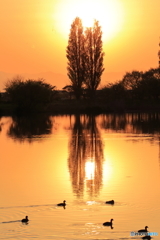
{"type": "Point", "coordinates": [30, 95]}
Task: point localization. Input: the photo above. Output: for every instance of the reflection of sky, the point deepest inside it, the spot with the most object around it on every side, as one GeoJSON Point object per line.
{"type": "Point", "coordinates": [107, 170]}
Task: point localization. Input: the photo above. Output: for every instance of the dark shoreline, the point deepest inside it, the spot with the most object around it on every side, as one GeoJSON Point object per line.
{"type": "Point", "coordinates": [77, 107]}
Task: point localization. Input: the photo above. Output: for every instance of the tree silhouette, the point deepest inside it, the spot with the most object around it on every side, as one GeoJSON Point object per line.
{"type": "Point", "coordinates": [131, 80]}
{"type": "Point", "coordinates": [76, 57]}
{"type": "Point", "coordinates": [30, 95]}
{"type": "Point", "coordinates": [94, 59]}
{"type": "Point", "coordinates": [85, 58]}
{"type": "Point", "coordinates": [150, 86]}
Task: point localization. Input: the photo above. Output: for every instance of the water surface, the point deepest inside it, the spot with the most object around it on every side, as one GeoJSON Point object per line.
{"type": "Point", "coordinates": [85, 160]}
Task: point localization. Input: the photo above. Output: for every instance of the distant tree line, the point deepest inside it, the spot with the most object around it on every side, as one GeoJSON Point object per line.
{"type": "Point", "coordinates": [136, 90]}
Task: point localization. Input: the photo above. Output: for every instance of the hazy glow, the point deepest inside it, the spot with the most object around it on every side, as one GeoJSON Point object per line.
{"type": "Point", "coordinates": [109, 13]}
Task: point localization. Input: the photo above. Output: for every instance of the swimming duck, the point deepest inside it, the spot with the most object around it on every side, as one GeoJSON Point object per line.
{"type": "Point", "coordinates": [147, 237]}
{"type": "Point", "coordinates": [110, 202]}
{"type": "Point", "coordinates": [25, 220]}
{"type": "Point", "coordinates": [108, 223]}
{"type": "Point", "coordinates": [143, 230]}
{"type": "Point", "coordinates": [62, 204]}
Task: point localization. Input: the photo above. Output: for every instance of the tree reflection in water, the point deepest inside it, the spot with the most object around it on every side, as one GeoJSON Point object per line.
{"type": "Point", "coordinates": [85, 156]}
{"type": "Point", "coordinates": [29, 128]}
{"type": "Point", "coordinates": [135, 123]}
{"type": "Point", "coordinates": [0, 125]}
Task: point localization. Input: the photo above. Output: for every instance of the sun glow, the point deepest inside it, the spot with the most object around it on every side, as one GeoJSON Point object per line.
{"type": "Point", "coordinates": [109, 13]}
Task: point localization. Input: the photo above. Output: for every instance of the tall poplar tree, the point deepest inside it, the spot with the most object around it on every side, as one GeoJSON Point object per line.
{"type": "Point", "coordinates": [85, 58]}
{"type": "Point", "coordinates": [75, 54]}
{"type": "Point", "coordinates": [94, 58]}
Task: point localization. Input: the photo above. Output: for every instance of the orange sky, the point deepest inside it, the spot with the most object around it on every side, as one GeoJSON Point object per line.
{"type": "Point", "coordinates": [34, 34]}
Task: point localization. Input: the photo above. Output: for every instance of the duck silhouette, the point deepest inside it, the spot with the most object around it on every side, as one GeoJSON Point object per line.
{"type": "Point", "coordinates": [25, 220]}
{"type": "Point", "coordinates": [62, 204]}
{"type": "Point", "coordinates": [147, 237]}
{"type": "Point", "coordinates": [143, 230]}
{"type": "Point", "coordinates": [108, 223]}
{"type": "Point", "coordinates": [110, 202]}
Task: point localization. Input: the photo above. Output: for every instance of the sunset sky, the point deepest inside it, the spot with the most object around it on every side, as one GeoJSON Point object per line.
{"type": "Point", "coordinates": [34, 36]}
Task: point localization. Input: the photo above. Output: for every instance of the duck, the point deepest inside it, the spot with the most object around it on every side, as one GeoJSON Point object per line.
{"type": "Point", "coordinates": [147, 237]}
{"type": "Point", "coordinates": [62, 204]}
{"type": "Point", "coordinates": [143, 230]}
{"type": "Point", "coordinates": [110, 202]}
{"type": "Point", "coordinates": [108, 223]}
{"type": "Point", "coordinates": [25, 220]}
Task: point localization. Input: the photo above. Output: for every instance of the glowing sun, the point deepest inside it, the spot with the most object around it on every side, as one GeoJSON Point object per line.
{"type": "Point", "coordinates": [109, 13]}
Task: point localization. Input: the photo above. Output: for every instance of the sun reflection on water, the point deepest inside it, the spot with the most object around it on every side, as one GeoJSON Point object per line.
{"type": "Point", "coordinates": [90, 170]}
{"type": "Point", "coordinates": [90, 202]}
{"type": "Point", "coordinates": [92, 229]}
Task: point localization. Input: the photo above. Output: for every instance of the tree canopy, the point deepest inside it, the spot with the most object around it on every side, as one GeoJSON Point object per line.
{"type": "Point", "coordinates": [75, 54]}
{"type": "Point", "coordinates": [30, 94]}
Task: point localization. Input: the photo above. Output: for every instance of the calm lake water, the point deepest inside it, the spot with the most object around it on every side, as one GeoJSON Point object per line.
{"type": "Point", "coordinates": [85, 160]}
